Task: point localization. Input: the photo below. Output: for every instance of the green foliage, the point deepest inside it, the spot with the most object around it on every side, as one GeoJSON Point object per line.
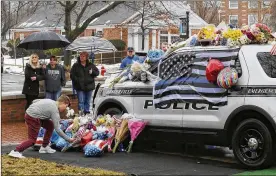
{"type": "Point", "coordinates": [20, 52]}
{"type": "Point", "coordinates": [119, 44]}
{"type": "Point", "coordinates": [55, 52]}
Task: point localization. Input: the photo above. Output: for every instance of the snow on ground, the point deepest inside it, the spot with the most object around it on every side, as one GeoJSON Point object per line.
{"type": "Point", "coordinates": [15, 66]}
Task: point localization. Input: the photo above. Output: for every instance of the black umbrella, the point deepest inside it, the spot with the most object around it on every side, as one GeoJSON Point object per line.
{"type": "Point", "coordinates": [43, 41]}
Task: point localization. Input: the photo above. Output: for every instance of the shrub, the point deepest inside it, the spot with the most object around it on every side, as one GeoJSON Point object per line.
{"type": "Point", "coordinates": [119, 44]}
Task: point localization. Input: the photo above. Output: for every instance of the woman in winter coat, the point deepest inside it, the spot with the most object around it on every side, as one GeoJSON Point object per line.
{"type": "Point", "coordinates": [82, 74]}
{"type": "Point", "coordinates": [33, 74]}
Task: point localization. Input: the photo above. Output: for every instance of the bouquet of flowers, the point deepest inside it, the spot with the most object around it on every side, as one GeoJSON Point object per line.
{"type": "Point", "coordinates": [135, 127]}
{"type": "Point", "coordinates": [121, 134]}
{"type": "Point", "coordinates": [154, 55]}
{"type": "Point", "coordinates": [70, 112]}
{"type": "Point", "coordinates": [207, 32]}
{"type": "Point", "coordinates": [117, 79]}
{"type": "Point", "coordinates": [233, 34]}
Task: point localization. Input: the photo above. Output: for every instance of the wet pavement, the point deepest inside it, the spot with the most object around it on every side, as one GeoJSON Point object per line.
{"type": "Point", "coordinates": [140, 163]}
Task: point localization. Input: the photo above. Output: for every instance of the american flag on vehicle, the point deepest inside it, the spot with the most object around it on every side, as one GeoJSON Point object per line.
{"type": "Point", "coordinates": [183, 78]}
{"type": "Point", "coordinates": [273, 50]}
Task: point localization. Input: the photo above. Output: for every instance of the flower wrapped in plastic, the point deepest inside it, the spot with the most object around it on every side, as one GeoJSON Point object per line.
{"type": "Point", "coordinates": [61, 143]}
{"type": "Point", "coordinates": [135, 127]}
{"type": "Point", "coordinates": [154, 55]}
{"type": "Point", "coordinates": [121, 134]}
{"type": "Point", "coordinates": [94, 148]}
{"type": "Point", "coordinates": [117, 79]}
{"type": "Point", "coordinates": [112, 132]}
{"type": "Point", "coordinates": [233, 34]}
{"type": "Point", "coordinates": [261, 38]}
{"type": "Point", "coordinates": [207, 32]}
{"type": "Point", "coordinates": [255, 30]}
{"type": "Point", "coordinates": [244, 40]}
{"type": "Point", "coordinates": [265, 30]}
{"type": "Point", "coordinates": [70, 112]}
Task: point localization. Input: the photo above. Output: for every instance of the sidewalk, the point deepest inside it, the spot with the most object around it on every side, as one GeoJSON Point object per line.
{"type": "Point", "coordinates": [13, 133]}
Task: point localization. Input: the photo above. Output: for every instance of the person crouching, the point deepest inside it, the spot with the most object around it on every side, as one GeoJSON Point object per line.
{"type": "Point", "coordinates": [43, 113]}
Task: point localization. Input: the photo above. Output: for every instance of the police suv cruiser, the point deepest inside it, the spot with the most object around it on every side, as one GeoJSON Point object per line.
{"type": "Point", "coordinates": [247, 124]}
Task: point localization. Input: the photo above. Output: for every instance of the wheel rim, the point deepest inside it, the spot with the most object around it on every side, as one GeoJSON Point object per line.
{"type": "Point", "coordinates": [251, 145]}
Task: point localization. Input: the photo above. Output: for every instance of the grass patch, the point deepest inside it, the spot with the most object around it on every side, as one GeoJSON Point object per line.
{"type": "Point", "coordinates": [271, 171]}
{"type": "Point", "coordinates": [35, 166]}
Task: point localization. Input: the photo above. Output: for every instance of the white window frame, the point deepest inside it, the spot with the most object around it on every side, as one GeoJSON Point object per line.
{"type": "Point", "coordinates": [233, 1]}
{"type": "Point", "coordinates": [266, 6]}
{"type": "Point", "coordinates": [234, 16]}
{"type": "Point", "coordinates": [249, 15]}
{"type": "Point", "coordinates": [250, 2]}
{"type": "Point", "coordinates": [21, 36]}
{"type": "Point", "coordinates": [263, 16]}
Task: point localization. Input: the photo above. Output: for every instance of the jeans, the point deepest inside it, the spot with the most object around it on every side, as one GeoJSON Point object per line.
{"type": "Point", "coordinates": [84, 98]}
{"type": "Point", "coordinates": [53, 95]}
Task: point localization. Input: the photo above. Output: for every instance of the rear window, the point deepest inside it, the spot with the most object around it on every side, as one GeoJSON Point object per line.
{"type": "Point", "coordinates": [268, 63]}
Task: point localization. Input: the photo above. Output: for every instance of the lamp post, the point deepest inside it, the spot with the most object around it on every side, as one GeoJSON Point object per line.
{"type": "Point", "coordinates": [184, 26]}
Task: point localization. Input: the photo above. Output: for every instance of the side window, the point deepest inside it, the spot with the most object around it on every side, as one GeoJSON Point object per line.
{"type": "Point", "coordinates": [237, 66]}
{"type": "Point", "coordinates": [268, 63]}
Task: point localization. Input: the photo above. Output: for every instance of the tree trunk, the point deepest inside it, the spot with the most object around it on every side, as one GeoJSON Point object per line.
{"type": "Point", "coordinates": [67, 28]}
{"type": "Point", "coordinates": [67, 58]}
{"type": "Point", "coordinates": [143, 39]}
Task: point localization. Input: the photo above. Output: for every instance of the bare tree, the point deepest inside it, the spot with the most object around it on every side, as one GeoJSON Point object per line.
{"type": "Point", "coordinates": [148, 14]}
{"type": "Point", "coordinates": [208, 10]}
{"type": "Point", "coordinates": [80, 22]}
{"type": "Point", "coordinates": [13, 12]}
{"type": "Point", "coordinates": [273, 16]}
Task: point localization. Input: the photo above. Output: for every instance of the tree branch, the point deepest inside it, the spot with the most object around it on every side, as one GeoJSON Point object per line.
{"type": "Point", "coordinates": [62, 4]}
{"type": "Point", "coordinates": [81, 13]}
{"type": "Point", "coordinates": [78, 30]}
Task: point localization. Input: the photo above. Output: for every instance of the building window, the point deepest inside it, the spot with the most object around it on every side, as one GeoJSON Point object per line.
{"type": "Point", "coordinates": [233, 20]}
{"type": "Point", "coordinates": [233, 4]}
{"type": "Point", "coordinates": [21, 36]}
{"type": "Point", "coordinates": [252, 4]}
{"type": "Point", "coordinates": [266, 4]}
{"type": "Point", "coordinates": [252, 19]}
{"type": "Point", "coordinates": [212, 4]}
{"type": "Point", "coordinates": [164, 37]}
{"type": "Point", "coordinates": [266, 19]}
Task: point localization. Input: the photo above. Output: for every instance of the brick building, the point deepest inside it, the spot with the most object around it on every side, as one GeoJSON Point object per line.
{"type": "Point", "coordinates": [237, 12]}
{"type": "Point", "coordinates": [115, 25]}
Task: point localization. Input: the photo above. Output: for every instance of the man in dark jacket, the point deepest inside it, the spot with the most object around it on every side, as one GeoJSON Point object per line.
{"type": "Point", "coordinates": [82, 74]}
{"type": "Point", "coordinates": [54, 79]}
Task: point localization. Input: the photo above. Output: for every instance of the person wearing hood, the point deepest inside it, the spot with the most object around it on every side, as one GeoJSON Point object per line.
{"type": "Point", "coordinates": [33, 74]}
{"type": "Point", "coordinates": [54, 79]}
{"type": "Point", "coordinates": [82, 74]}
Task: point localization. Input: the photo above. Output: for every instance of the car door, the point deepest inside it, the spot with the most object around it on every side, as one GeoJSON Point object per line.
{"type": "Point", "coordinates": [145, 109]}
{"type": "Point", "coordinates": [204, 115]}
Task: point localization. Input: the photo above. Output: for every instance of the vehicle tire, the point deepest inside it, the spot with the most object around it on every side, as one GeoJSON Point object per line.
{"type": "Point", "coordinates": [252, 144]}
{"type": "Point", "coordinates": [113, 111]}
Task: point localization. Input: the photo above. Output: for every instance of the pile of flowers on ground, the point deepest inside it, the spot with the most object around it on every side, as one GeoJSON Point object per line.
{"type": "Point", "coordinates": [224, 35]}
{"type": "Point", "coordinates": [94, 137]}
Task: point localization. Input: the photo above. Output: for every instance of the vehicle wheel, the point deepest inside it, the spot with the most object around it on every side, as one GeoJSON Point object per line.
{"type": "Point", "coordinates": [252, 144]}
{"type": "Point", "coordinates": [113, 111]}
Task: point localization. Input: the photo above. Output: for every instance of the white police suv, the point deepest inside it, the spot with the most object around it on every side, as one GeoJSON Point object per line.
{"type": "Point", "coordinates": [246, 123]}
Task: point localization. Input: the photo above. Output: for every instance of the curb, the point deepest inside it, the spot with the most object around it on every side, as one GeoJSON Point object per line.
{"type": "Point", "coordinates": [9, 144]}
